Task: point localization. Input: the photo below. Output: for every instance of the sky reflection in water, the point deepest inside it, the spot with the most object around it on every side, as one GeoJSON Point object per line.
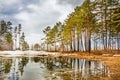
{"type": "Point", "coordinates": [45, 68]}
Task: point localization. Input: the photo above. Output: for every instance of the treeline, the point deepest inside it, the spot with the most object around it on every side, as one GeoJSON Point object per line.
{"type": "Point", "coordinates": [93, 26]}
{"type": "Point", "coordinates": [12, 38]}
{"type": "Point", "coordinates": [36, 47]}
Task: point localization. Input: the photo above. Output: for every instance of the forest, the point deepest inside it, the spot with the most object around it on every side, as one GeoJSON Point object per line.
{"type": "Point", "coordinates": [93, 26]}
{"type": "Point", "coordinates": [12, 38]}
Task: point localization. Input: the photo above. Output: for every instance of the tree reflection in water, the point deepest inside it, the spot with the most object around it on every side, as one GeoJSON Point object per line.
{"type": "Point", "coordinates": [5, 66]}
{"type": "Point", "coordinates": [22, 64]}
{"type": "Point", "coordinates": [59, 68]}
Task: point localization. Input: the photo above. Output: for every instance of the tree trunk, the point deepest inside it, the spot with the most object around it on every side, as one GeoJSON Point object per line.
{"type": "Point", "coordinates": [85, 41]}
{"type": "Point", "coordinates": [82, 43]}
{"type": "Point", "coordinates": [74, 40]}
{"type": "Point", "coordinates": [118, 42]}
{"type": "Point", "coordinates": [89, 41]}
{"type": "Point", "coordinates": [78, 43]}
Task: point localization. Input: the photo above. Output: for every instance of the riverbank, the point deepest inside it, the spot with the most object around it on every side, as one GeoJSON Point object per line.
{"type": "Point", "coordinates": [111, 61]}
{"type": "Point", "coordinates": [25, 53]}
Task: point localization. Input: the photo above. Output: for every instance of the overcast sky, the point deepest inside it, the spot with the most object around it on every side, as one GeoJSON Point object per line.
{"type": "Point", "coordinates": [35, 15]}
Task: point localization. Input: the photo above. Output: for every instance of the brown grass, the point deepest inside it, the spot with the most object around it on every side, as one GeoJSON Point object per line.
{"type": "Point", "coordinates": [110, 61]}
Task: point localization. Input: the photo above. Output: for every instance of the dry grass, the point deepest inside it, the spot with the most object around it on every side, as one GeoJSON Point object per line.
{"type": "Point", "coordinates": [110, 61]}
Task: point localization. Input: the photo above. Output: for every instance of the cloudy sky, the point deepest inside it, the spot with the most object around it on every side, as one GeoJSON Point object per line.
{"type": "Point", "coordinates": [35, 15]}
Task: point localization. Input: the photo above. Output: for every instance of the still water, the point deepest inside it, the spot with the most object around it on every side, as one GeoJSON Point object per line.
{"type": "Point", "coordinates": [46, 68]}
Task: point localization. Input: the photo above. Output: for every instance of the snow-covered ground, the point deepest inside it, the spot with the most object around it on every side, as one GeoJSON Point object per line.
{"type": "Point", "coordinates": [25, 52]}
{"type": "Point", "coordinates": [10, 52]}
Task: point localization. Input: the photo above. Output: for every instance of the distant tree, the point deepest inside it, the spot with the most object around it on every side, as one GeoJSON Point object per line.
{"type": "Point", "coordinates": [9, 41]}
{"type": "Point", "coordinates": [19, 32]}
{"type": "Point", "coordinates": [15, 37]}
{"type": "Point", "coordinates": [23, 44]}
{"type": "Point", "coordinates": [37, 47]}
{"type": "Point", "coordinates": [6, 35]}
{"type": "Point", "coordinates": [3, 27]}
{"type": "Point", "coordinates": [46, 32]}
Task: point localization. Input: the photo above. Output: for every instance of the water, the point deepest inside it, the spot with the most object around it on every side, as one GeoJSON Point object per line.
{"type": "Point", "coordinates": [46, 68]}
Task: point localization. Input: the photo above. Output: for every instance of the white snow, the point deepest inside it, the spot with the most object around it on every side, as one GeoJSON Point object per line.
{"type": "Point", "coordinates": [25, 52]}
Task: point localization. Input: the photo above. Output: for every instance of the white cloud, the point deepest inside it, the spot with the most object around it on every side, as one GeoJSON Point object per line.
{"type": "Point", "coordinates": [36, 15]}
{"type": "Point", "coordinates": [33, 38]}
{"type": "Point", "coordinates": [10, 2]}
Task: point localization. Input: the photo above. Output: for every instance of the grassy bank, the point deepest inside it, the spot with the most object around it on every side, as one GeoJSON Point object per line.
{"type": "Point", "coordinates": [110, 60]}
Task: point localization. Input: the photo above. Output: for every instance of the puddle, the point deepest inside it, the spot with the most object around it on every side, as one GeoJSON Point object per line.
{"type": "Point", "coordinates": [45, 68]}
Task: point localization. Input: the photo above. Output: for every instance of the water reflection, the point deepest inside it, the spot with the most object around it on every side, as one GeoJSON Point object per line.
{"type": "Point", "coordinates": [46, 68]}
